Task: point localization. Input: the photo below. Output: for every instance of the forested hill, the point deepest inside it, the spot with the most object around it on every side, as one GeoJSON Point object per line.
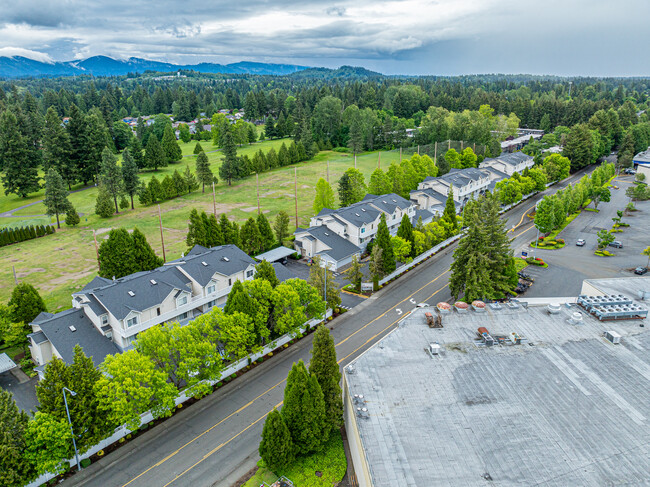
{"type": "Point", "coordinates": [21, 67]}
{"type": "Point", "coordinates": [344, 72]}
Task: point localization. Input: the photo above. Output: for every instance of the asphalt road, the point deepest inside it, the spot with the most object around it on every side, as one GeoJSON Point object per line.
{"type": "Point", "coordinates": [214, 442]}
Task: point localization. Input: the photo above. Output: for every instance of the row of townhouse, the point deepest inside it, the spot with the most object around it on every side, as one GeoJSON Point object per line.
{"type": "Point", "coordinates": [468, 183]}
{"type": "Point", "coordinates": [108, 314]}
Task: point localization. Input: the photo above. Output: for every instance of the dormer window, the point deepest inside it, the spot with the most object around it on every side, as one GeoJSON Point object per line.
{"type": "Point", "coordinates": [104, 320]}
{"type": "Point", "coordinates": [211, 288]}
{"type": "Point", "coordinates": [181, 300]}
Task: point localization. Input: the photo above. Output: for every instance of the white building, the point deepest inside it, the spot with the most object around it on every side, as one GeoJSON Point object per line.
{"type": "Point", "coordinates": [509, 164]}
{"type": "Point", "coordinates": [467, 184]}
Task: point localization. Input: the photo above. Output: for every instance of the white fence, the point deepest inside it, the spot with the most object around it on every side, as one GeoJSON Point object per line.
{"type": "Point", "coordinates": [147, 417]}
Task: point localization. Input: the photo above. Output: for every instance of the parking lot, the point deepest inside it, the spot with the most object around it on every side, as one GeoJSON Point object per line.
{"type": "Point", "coordinates": [570, 265]}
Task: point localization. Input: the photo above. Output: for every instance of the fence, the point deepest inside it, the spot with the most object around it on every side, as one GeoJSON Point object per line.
{"type": "Point", "coordinates": [147, 417]}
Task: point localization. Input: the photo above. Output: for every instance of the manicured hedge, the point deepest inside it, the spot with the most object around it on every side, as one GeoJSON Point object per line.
{"type": "Point", "coordinates": [9, 236]}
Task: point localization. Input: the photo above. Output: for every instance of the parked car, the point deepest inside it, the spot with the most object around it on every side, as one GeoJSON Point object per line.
{"type": "Point", "coordinates": [580, 242]}
{"type": "Point", "coordinates": [629, 171]}
{"type": "Point", "coordinates": [616, 244]}
{"type": "Point", "coordinates": [422, 305]}
{"type": "Point", "coordinates": [640, 270]}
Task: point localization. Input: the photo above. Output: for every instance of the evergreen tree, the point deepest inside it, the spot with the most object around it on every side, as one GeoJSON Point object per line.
{"type": "Point", "coordinates": [190, 180]}
{"type": "Point", "coordinates": [382, 240]}
{"type": "Point", "coordinates": [322, 279]}
{"type": "Point", "coordinates": [449, 213]}
{"type": "Point", "coordinates": [196, 232]}
{"type": "Point", "coordinates": [276, 447]}
{"type": "Point", "coordinates": [56, 196]}
{"type": "Point", "coordinates": [405, 231]}
{"type": "Point", "coordinates": [144, 256]}
{"type": "Point", "coordinates": [104, 203]}
{"type": "Point", "coordinates": [135, 150]}
{"type": "Point", "coordinates": [304, 411]}
{"type": "Point", "coordinates": [130, 177]}
{"type": "Point", "coordinates": [98, 138]}
{"type": "Point", "coordinates": [78, 132]}
{"type": "Point", "coordinates": [20, 174]}
{"type": "Point", "coordinates": [324, 196]}
{"type": "Point", "coordinates": [110, 176]}
{"type": "Point", "coordinates": [251, 238]}
{"type": "Point", "coordinates": [154, 155]}
{"type": "Point", "coordinates": [579, 147]}
{"type": "Point", "coordinates": [25, 304]}
{"type": "Point", "coordinates": [266, 234]}
{"type": "Point", "coordinates": [197, 148]}
{"type": "Point", "coordinates": [116, 257]}
{"type": "Point", "coordinates": [355, 273]}
{"type": "Point", "coordinates": [203, 171]}
{"type": "Point", "coordinates": [170, 146]}
{"type": "Point", "coordinates": [15, 471]}
{"type": "Point", "coordinates": [324, 367]}
{"type": "Point", "coordinates": [56, 148]}
{"type": "Point", "coordinates": [269, 128]}
{"type": "Point", "coordinates": [213, 236]}
{"type": "Point", "coordinates": [72, 217]}
{"type": "Point", "coordinates": [231, 166]}
{"type": "Point", "coordinates": [264, 270]}
{"type": "Point", "coordinates": [284, 159]}
{"type": "Point", "coordinates": [352, 187]}
{"type": "Point", "coordinates": [380, 183]}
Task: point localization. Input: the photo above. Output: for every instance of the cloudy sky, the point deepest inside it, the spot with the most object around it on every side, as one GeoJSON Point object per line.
{"type": "Point", "coordinates": [565, 37]}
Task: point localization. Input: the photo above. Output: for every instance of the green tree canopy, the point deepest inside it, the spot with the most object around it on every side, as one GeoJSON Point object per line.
{"type": "Point", "coordinates": [25, 303]}
{"type": "Point", "coordinates": [324, 367]}
{"type": "Point", "coordinates": [265, 270]}
{"type": "Point", "coordinates": [56, 196]}
{"type": "Point", "coordinates": [281, 226]}
{"type": "Point", "coordinates": [276, 447]}
{"type": "Point", "coordinates": [203, 171]}
{"type": "Point", "coordinates": [16, 469]}
{"type": "Point", "coordinates": [352, 187]}
{"type": "Point", "coordinates": [382, 240]}
{"type": "Point", "coordinates": [324, 196]}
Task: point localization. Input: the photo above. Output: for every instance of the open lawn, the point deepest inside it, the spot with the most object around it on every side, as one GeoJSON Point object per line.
{"type": "Point", "coordinates": [62, 263]}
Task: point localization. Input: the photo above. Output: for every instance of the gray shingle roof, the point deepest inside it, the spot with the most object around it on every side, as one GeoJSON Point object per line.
{"type": "Point", "coordinates": [325, 211]}
{"type": "Point", "coordinates": [282, 273]}
{"type": "Point", "coordinates": [388, 202]}
{"type": "Point", "coordinates": [225, 260]}
{"type": "Point", "coordinates": [432, 193]}
{"type": "Point", "coordinates": [42, 316]}
{"type": "Point", "coordinates": [340, 248]}
{"type": "Point", "coordinates": [358, 214]}
{"type": "Point", "coordinates": [38, 337]}
{"type": "Point", "coordinates": [499, 174]}
{"type": "Point", "coordinates": [95, 305]}
{"type": "Point", "coordinates": [96, 282]}
{"type": "Point", "coordinates": [63, 339]}
{"type": "Point", "coordinates": [426, 216]}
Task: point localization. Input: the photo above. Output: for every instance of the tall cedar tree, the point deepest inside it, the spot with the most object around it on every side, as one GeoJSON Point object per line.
{"type": "Point", "coordinates": [154, 156]}
{"type": "Point", "coordinates": [116, 257]}
{"type": "Point", "coordinates": [20, 174]}
{"type": "Point", "coordinates": [203, 171]}
{"type": "Point", "coordinates": [304, 411]}
{"type": "Point", "coordinates": [380, 183]}
{"type": "Point", "coordinates": [213, 236]}
{"type": "Point", "coordinates": [72, 217]}
{"type": "Point", "coordinates": [276, 447]}
{"type": "Point", "coordinates": [190, 180]}
{"type": "Point", "coordinates": [449, 213]}
{"type": "Point", "coordinates": [56, 148]}
{"type": "Point", "coordinates": [352, 187]}
{"type": "Point", "coordinates": [197, 148]}
{"type": "Point", "coordinates": [170, 146]}
{"type": "Point", "coordinates": [25, 303]}
{"type": "Point", "coordinates": [110, 176]}
{"type": "Point", "coordinates": [195, 231]}
{"type": "Point", "coordinates": [324, 367]}
{"type": "Point", "coordinates": [56, 195]}
{"type": "Point", "coordinates": [98, 138]}
{"type": "Point", "coordinates": [135, 149]}
{"type": "Point", "coordinates": [15, 471]}
{"type": "Point", "coordinates": [78, 134]}
{"type": "Point", "coordinates": [266, 234]}
{"type": "Point", "coordinates": [89, 424]}
{"type": "Point", "coordinates": [104, 203]}
{"type": "Point", "coordinates": [405, 231]}
{"type": "Point", "coordinates": [324, 196]}
{"type": "Point", "coordinates": [144, 256]}
{"type": "Point", "coordinates": [130, 175]}
{"type": "Point", "coordinates": [481, 261]}
{"type": "Point", "coordinates": [382, 240]}
{"type": "Point", "coordinates": [250, 236]}
{"type": "Point", "coordinates": [231, 167]}
{"type": "Point", "coordinates": [281, 226]}
{"type": "Point", "coordinates": [265, 270]}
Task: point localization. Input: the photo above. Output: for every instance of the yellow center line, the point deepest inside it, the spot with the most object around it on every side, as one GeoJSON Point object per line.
{"type": "Point", "coordinates": [522, 218]}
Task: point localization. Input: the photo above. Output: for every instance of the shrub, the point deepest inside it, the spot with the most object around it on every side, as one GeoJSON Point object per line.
{"type": "Point", "coordinates": [233, 376]}
{"type": "Point", "coordinates": [100, 453]}
{"type": "Point", "coordinates": [121, 440]}
{"type": "Point", "coordinates": [85, 463]}
{"type": "Point", "coordinates": [129, 436]}
{"type": "Point", "coordinates": [270, 354]}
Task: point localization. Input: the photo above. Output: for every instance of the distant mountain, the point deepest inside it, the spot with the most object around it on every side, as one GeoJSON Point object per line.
{"type": "Point", "coordinates": [21, 67]}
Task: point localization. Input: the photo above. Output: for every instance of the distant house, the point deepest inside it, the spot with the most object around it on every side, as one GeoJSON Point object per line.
{"type": "Point", "coordinates": [509, 164]}
{"type": "Point", "coordinates": [641, 162]}
{"type": "Point", "coordinates": [108, 314]}
{"type": "Point", "coordinates": [467, 184]}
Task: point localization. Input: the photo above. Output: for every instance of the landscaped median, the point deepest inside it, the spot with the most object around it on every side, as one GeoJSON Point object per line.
{"type": "Point", "coordinates": [536, 261]}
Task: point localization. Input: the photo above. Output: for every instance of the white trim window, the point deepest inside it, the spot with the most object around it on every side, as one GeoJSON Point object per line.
{"type": "Point", "coordinates": [250, 273]}
{"type": "Point", "coordinates": [132, 321]}
{"type": "Point", "coordinates": [212, 287]}
{"type": "Point", "coordinates": [104, 319]}
{"type": "Point", "coordinates": [181, 300]}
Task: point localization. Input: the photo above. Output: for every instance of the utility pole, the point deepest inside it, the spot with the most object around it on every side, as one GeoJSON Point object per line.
{"type": "Point", "coordinates": [461, 146]}
{"type": "Point", "coordinates": [449, 144]}
{"type": "Point", "coordinates": [379, 161]}
{"type": "Point", "coordinates": [214, 201]}
{"type": "Point", "coordinates": [418, 149]}
{"type": "Point", "coordinates": [257, 178]}
{"type": "Point", "coordinates": [355, 161]}
{"type": "Point", "coordinates": [162, 240]}
{"type": "Point", "coordinates": [99, 266]}
{"type": "Point", "coordinates": [295, 191]}
{"type": "Point", "coordinates": [74, 443]}
{"type": "Point", "coordinates": [435, 153]}
{"type": "Point", "coordinates": [328, 171]}
{"type": "Point", "coordinates": [15, 278]}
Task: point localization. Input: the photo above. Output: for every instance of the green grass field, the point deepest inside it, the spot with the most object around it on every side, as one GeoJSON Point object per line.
{"type": "Point", "coordinates": [62, 263]}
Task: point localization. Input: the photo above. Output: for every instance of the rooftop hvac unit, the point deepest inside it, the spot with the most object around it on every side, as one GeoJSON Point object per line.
{"type": "Point", "coordinates": [495, 306]}
{"type": "Point", "coordinates": [576, 318]}
{"type": "Point", "coordinates": [434, 348]}
{"type": "Point", "coordinates": [513, 305]}
{"type": "Point", "coordinates": [553, 308]}
{"type": "Point", "coordinates": [613, 337]}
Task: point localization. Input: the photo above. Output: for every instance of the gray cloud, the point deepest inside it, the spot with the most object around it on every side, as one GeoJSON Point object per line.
{"type": "Point", "coordinates": [407, 36]}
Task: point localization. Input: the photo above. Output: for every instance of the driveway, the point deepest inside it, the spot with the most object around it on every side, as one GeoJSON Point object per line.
{"type": "Point", "coordinates": [24, 393]}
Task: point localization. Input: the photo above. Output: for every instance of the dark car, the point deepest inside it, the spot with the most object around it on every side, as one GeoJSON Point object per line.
{"type": "Point", "coordinates": [580, 242]}
{"type": "Point", "coordinates": [640, 270]}
{"type": "Point", "coordinates": [616, 244]}
{"type": "Point", "coordinates": [629, 171]}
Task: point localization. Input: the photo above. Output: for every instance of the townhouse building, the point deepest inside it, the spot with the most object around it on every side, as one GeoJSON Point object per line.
{"type": "Point", "coordinates": [515, 162]}
{"type": "Point", "coordinates": [467, 184]}
{"type": "Point", "coordinates": [108, 314]}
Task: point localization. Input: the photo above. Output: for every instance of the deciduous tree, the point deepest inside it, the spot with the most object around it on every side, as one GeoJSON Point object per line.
{"type": "Point", "coordinates": [352, 187]}
{"type": "Point", "coordinates": [324, 196]}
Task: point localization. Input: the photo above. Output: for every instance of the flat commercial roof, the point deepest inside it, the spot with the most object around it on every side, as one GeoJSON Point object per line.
{"type": "Point", "coordinates": [276, 254]}
{"type": "Point", "coordinates": [6, 363]}
{"type": "Point", "coordinates": [566, 407]}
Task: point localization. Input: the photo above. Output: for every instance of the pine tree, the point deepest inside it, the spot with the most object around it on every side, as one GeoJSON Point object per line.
{"type": "Point", "coordinates": [324, 367]}
{"type": "Point", "coordinates": [130, 176]}
{"type": "Point", "coordinates": [226, 229]}
{"type": "Point", "coordinates": [266, 234]}
{"type": "Point", "coordinates": [110, 177]}
{"type": "Point", "coordinates": [135, 149]}
{"type": "Point", "coordinates": [213, 237]}
{"type": "Point", "coordinates": [144, 256]}
{"type": "Point", "coordinates": [116, 257]}
{"type": "Point", "coordinates": [196, 232]}
{"type": "Point", "coordinates": [56, 196]}
{"type": "Point", "coordinates": [56, 147]}
{"type": "Point", "coordinates": [324, 196]}
{"type": "Point", "coordinates": [72, 217]}
{"type": "Point", "coordinates": [104, 203]}
{"type": "Point", "coordinates": [203, 171]}
{"type": "Point", "coordinates": [449, 213]}
{"type": "Point", "coordinates": [190, 180]}
{"type": "Point", "coordinates": [265, 270]}
{"type": "Point", "coordinates": [355, 273]}
{"type": "Point", "coordinates": [405, 231]}
{"type": "Point", "coordinates": [281, 226]}
{"type": "Point", "coordinates": [154, 155]}
{"type": "Point", "coordinates": [20, 174]}
{"type": "Point", "coordinates": [269, 128]}
{"type": "Point", "coordinates": [276, 447]}
{"type": "Point", "coordinates": [352, 187]}
{"type": "Point", "coordinates": [197, 148]}
{"type": "Point", "coordinates": [382, 240]}
{"type": "Point", "coordinates": [251, 238]}
{"type": "Point", "coordinates": [25, 303]}
{"type": "Point", "coordinates": [231, 167]}
{"type": "Point", "coordinates": [304, 411]}
{"type": "Point", "coordinates": [284, 159]}
{"type": "Point", "coordinates": [170, 146]}
{"type": "Point", "coordinates": [15, 471]}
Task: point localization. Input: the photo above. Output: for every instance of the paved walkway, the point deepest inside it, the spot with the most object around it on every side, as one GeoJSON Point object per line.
{"type": "Point", "coordinates": [10, 213]}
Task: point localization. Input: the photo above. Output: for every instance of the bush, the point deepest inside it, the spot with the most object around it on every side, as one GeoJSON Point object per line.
{"type": "Point", "coordinates": [85, 463]}
{"type": "Point", "coordinates": [100, 453]}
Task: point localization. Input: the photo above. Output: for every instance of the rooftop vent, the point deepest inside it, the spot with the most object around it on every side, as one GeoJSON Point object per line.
{"type": "Point", "coordinates": [363, 209]}
{"type": "Point", "coordinates": [394, 200]}
{"type": "Point", "coordinates": [357, 214]}
{"type": "Point", "coordinates": [204, 263]}
{"type": "Point", "coordinates": [72, 328]}
{"type": "Point", "coordinates": [613, 337]}
{"type": "Point", "coordinates": [434, 348]}
{"type": "Point", "coordinates": [513, 305]}
{"type": "Point", "coordinates": [153, 281]}
{"type": "Point", "coordinates": [553, 308]}
{"type": "Point", "coordinates": [383, 201]}
{"type": "Point", "coordinates": [350, 369]}
{"type": "Point", "coordinates": [131, 293]}
{"type": "Point", "coordinates": [327, 234]}
{"type": "Point", "coordinates": [576, 318]}
{"type": "Point", "coordinates": [226, 259]}
{"type": "Point", "coordinates": [358, 398]}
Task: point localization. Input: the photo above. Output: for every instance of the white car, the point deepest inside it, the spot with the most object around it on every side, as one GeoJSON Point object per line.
{"type": "Point", "coordinates": [422, 305]}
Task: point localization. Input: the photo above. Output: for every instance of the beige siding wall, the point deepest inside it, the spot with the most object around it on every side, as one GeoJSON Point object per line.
{"type": "Point", "coordinates": [359, 461]}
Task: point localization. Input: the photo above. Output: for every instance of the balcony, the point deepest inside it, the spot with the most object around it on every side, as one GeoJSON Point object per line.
{"type": "Point", "coordinates": [194, 302]}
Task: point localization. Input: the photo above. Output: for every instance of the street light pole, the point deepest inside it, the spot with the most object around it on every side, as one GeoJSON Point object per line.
{"type": "Point", "coordinates": [74, 443]}
{"type": "Point", "coordinates": [536, 243]}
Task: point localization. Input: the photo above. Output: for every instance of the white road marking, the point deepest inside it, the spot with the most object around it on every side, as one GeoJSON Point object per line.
{"type": "Point", "coordinates": [399, 311]}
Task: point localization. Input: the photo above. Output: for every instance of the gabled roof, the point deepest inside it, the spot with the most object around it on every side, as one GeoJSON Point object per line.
{"type": "Point", "coordinates": [496, 172]}
{"type": "Point", "coordinates": [339, 248]}
{"type": "Point", "coordinates": [426, 216]}
{"type": "Point", "coordinates": [95, 305]}
{"type": "Point", "coordinates": [96, 282]}
{"type": "Point", "coordinates": [203, 264]}
{"type": "Point", "coordinates": [358, 214]}
{"type": "Point", "coordinates": [431, 193]}
{"type": "Point", "coordinates": [63, 339]}
{"type": "Point", "coordinates": [282, 273]}
{"type": "Point", "coordinates": [325, 211]}
{"type": "Point", "coordinates": [42, 316]}
{"type": "Point", "coordinates": [388, 202]}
